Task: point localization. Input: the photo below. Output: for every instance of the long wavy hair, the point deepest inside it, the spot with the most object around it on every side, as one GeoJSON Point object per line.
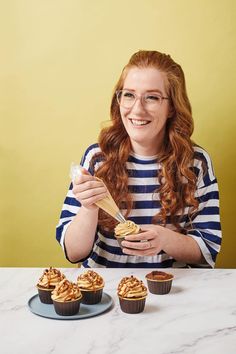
{"type": "Point", "coordinates": [177, 179]}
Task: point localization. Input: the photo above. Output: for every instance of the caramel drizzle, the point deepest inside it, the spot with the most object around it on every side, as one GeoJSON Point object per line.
{"type": "Point", "coordinates": [131, 284]}
{"type": "Point", "coordinates": [52, 274]}
{"type": "Point", "coordinates": [92, 278]}
{"type": "Point", "coordinates": [65, 286]}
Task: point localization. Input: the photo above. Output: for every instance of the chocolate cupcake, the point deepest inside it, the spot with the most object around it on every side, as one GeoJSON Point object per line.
{"type": "Point", "coordinates": [159, 282]}
{"type": "Point", "coordinates": [66, 298]}
{"type": "Point", "coordinates": [47, 282]}
{"type": "Point", "coordinates": [91, 285]}
{"type": "Point", "coordinates": [124, 229]}
{"type": "Point", "coordinates": [132, 295]}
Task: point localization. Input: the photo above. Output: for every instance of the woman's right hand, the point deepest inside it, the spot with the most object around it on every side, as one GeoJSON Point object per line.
{"type": "Point", "coordinates": [88, 190]}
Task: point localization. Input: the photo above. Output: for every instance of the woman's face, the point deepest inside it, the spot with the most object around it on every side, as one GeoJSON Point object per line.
{"type": "Point", "coordinates": [145, 121]}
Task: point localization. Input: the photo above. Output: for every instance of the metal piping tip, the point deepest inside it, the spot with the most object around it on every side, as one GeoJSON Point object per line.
{"type": "Point", "coordinates": [120, 217]}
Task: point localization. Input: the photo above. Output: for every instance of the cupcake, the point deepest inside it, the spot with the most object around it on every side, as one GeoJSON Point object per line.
{"type": "Point", "coordinates": [159, 282]}
{"type": "Point", "coordinates": [47, 282]}
{"type": "Point", "coordinates": [91, 285]}
{"type": "Point", "coordinates": [66, 298]}
{"type": "Point", "coordinates": [132, 295]}
{"type": "Point", "coordinates": [126, 228]}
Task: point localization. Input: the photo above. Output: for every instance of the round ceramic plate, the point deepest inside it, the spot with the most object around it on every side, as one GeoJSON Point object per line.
{"type": "Point", "coordinates": [85, 311]}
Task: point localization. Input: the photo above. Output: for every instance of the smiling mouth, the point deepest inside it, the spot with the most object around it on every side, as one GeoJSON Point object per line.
{"type": "Point", "coordinates": [137, 122]}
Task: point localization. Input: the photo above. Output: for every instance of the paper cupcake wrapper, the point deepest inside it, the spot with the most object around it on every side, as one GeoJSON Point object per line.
{"type": "Point", "coordinates": [132, 305]}
{"type": "Point", "coordinates": [91, 297]}
{"type": "Point", "coordinates": [68, 308]}
{"type": "Point", "coordinates": [45, 295]}
{"type": "Point", "coordinates": [120, 239]}
{"type": "Point", "coordinates": [161, 287]}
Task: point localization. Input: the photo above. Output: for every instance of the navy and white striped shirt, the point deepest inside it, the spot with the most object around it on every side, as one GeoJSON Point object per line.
{"type": "Point", "coordinates": [205, 226]}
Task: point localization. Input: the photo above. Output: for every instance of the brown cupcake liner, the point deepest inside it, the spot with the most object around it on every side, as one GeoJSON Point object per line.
{"type": "Point", "coordinates": [159, 287]}
{"type": "Point", "coordinates": [91, 297]}
{"type": "Point", "coordinates": [67, 308]}
{"type": "Point", "coordinates": [132, 305]}
{"type": "Point", "coordinates": [120, 239]}
{"type": "Point", "coordinates": [45, 295]}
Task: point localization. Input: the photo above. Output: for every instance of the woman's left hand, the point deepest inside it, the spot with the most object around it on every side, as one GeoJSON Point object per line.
{"type": "Point", "coordinates": [152, 242]}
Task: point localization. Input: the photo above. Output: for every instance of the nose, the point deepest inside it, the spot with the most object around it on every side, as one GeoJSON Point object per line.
{"type": "Point", "coordinates": [138, 105]}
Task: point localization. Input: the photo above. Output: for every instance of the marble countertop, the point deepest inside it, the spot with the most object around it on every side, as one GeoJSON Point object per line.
{"type": "Point", "coordinates": [197, 316]}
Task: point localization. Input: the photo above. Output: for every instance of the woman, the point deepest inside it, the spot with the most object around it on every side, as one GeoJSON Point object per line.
{"type": "Point", "coordinates": [158, 177]}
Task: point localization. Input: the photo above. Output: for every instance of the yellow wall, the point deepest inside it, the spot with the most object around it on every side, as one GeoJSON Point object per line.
{"type": "Point", "coordinates": [59, 63]}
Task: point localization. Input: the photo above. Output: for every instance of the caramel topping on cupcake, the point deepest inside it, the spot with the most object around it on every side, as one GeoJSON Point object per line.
{"type": "Point", "coordinates": [131, 287]}
{"type": "Point", "coordinates": [158, 275]}
{"type": "Point", "coordinates": [50, 278]}
{"type": "Point", "coordinates": [126, 228]}
{"type": "Point", "coordinates": [90, 280]}
{"type": "Point", "coordinates": [66, 291]}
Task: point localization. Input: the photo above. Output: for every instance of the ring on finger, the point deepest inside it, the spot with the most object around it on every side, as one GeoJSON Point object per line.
{"type": "Point", "coordinates": [149, 245]}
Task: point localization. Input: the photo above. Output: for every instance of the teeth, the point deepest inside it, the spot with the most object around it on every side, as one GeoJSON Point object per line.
{"type": "Point", "coordinates": [139, 122]}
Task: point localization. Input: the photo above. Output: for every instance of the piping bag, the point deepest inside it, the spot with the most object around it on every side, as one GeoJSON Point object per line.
{"type": "Point", "coordinates": [107, 204]}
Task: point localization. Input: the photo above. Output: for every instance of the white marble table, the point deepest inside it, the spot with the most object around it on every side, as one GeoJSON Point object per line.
{"type": "Point", "coordinates": [197, 316]}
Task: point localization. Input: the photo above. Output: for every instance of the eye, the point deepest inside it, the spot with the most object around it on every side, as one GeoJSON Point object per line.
{"type": "Point", "coordinates": [152, 98]}
{"type": "Point", "coordinates": [128, 95]}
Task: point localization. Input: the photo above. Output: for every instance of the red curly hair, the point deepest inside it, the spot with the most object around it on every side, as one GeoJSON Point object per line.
{"type": "Point", "coordinates": [177, 178]}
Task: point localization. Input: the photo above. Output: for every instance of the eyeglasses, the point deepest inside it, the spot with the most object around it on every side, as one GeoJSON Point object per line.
{"type": "Point", "coordinates": [150, 101]}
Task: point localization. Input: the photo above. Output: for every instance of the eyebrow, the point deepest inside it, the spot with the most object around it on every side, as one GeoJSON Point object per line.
{"type": "Point", "coordinates": [153, 90]}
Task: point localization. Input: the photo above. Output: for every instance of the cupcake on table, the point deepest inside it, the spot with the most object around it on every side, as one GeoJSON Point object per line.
{"type": "Point", "coordinates": [47, 282]}
{"type": "Point", "coordinates": [132, 294]}
{"type": "Point", "coordinates": [91, 285]}
{"type": "Point", "coordinates": [159, 282]}
{"type": "Point", "coordinates": [66, 298]}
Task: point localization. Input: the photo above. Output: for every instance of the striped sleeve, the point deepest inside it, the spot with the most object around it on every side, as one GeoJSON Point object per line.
{"type": "Point", "coordinates": [205, 226]}
{"type": "Point", "coordinates": [71, 206]}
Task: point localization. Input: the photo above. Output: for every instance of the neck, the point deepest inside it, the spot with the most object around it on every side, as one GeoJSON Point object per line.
{"type": "Point", "coordinates": [146, 150]}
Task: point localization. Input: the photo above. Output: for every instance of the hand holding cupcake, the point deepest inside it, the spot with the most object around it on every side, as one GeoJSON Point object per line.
{"type": "Point", "coordinates": [124, 229]}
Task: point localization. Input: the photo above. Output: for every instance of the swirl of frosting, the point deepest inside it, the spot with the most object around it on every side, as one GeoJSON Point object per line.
{"type": "Point", "coordinates": [50, 278]}
{"type": "Point", "coordinates": [131, 287]}
{"type": "Point", "coordinates": [90, 280]}
{"type": "Point", "coordinates": [66, 291]}
{"type": "Point", "coordinates": [126, 228]}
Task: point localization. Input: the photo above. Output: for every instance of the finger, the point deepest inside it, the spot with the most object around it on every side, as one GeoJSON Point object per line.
{"type": "Point", "coordinates": [90, 193]}
{"type": "Point", "coordinates": [85, 178]}
{"type": "Point", "coordinates": [132, 252]}
{"type": "Point", "coordinates": [84, 171]}
{"type": "Point", "coordinates": [89, 185]}
{"type": "Point", "coordinates": [136, 245]}
{"type": "Point", "coordinates": [143, 236]}
{"type": "Point", "coordinates": [92, 200]}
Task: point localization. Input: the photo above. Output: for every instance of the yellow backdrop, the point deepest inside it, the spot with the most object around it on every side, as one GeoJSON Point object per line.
{"type": "Point", "coordinates": [59, 63]}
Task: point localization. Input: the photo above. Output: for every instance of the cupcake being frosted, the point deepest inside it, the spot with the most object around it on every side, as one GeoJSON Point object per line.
{"type": "Point", "coordinates": [91, 285]}
{"type": "Point", "coordinates": [47, 282]}
{"type": "Point", "coordinates": [126, 228]}
{"type": "Point", "coordinates": [132, 294]}
{"type": "Point", "coordinates": [66, 298]}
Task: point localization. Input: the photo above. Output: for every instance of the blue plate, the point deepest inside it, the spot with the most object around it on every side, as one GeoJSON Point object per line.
{"type": "Point", "coordinates": [85, 311]}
